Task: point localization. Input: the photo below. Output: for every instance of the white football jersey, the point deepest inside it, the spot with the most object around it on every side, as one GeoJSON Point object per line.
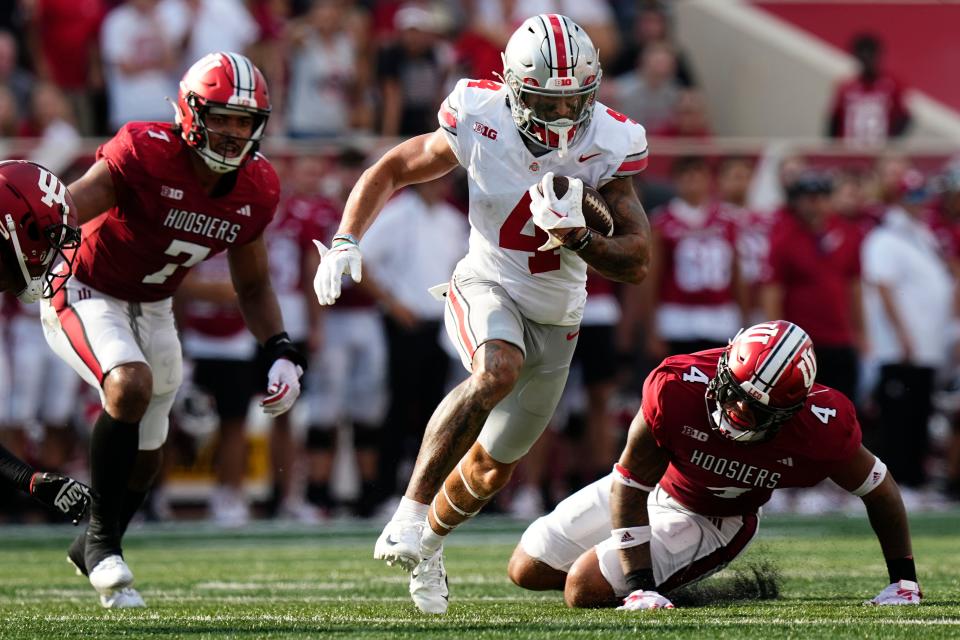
{"type": "Point", "coordinates": [548, 286]}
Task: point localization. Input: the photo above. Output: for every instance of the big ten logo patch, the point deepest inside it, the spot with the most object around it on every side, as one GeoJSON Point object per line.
{"type": "Point", "coordinates": [484, 130]}
{"type": "Point", "coordinates": [696, 434]}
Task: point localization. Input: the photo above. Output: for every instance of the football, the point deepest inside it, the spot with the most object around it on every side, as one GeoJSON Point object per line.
{"type": "Point", "coordinates": [596, 211]}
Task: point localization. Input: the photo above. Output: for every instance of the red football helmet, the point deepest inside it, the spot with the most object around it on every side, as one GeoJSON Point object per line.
{"type": "Point", "coordinates": [226, 81]}
{"type": "Point", "coordinates": [38, 222]}
{"type": "Point", "coordinates": [763, 379]}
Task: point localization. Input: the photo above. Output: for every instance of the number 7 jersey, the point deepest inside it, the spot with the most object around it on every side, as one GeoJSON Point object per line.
{"type": "Point", "coordinates": [548, 286]}
{"type": "Point", "coordinates": [164, 222]}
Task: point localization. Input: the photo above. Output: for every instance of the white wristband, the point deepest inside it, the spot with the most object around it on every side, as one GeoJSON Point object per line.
{"type": "Point", "coordinates": [630, 536]}
{"type": "Point", "coordinates": [874, 478]}
{"type": "Point", "coordinates": [622, 475]}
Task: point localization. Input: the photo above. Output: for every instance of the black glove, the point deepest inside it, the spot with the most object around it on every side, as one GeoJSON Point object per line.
{"type": "Point", "coordinates": [66, 495]}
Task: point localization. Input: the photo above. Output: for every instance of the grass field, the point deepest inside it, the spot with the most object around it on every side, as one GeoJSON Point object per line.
{"type": "Point", "coordinates": [270, 582]}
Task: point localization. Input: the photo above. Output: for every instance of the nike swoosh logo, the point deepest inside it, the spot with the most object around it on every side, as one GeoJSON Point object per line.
{"type": "Point", "coordinates": [390, 541]}
{"type": "Point", "coordinates": [556, 213]}
{"type": "Point", "coordinates": [573, 334]}
{"type": "Point", "coordinates": [585, 158]}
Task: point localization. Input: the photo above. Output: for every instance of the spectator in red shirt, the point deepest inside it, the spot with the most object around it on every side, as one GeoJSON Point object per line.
{"type": "Point", "coordinates": [869, 108]}
{"type": "Point", "coordinates": [814, 279]}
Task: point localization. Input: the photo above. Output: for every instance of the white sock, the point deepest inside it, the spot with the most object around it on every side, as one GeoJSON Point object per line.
{"type": "Point", "coordinates": [411, 511]}
{"type": "Point", "coordinates": [430, 542]}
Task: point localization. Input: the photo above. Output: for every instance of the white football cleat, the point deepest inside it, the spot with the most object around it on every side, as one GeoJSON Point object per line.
{"type": "Point", "coordinates": [428, 585]}
{"type": "Point", "coordinates": [112, 579]}
{"type": "Point", "coordinates": [111, 574]}
{"type": "Point", "coordinates": [126, 598]}
{"type": "Point", "coordinates": [399, 544]}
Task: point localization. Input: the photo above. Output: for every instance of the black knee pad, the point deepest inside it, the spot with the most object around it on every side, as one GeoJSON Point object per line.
{"type": "Point", "coordinates": [321, 438]}
{"type": "Point", "coordinates": [366, 436]}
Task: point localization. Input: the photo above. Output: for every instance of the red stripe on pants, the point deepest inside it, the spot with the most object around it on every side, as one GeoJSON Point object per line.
{"type": "Point", "coordinates": [461, 321]}
{"type": "Point", "coordinates": [76, 334]}
{"type": "Point", "coordinates": [710, 563]}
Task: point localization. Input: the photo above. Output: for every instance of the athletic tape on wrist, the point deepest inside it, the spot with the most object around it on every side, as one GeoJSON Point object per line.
{"type": "Point", "coordinates": [874, 478]}
{"type": "Point", "coordinates": [348, 238]}
{"type": "Point", "coordinates": [622, 475]}
{"type": "Point", "coordinates": [627, 537]}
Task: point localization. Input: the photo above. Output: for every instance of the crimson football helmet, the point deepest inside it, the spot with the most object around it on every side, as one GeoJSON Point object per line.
{"type": "Point", "coordinates": [549, 58]}
{"type": "Point", "coordinates": [763, 379]}
{"type": "Point", "coordinates": [227, 81]}
{"type": "Point", "coordinates": [38, 223]}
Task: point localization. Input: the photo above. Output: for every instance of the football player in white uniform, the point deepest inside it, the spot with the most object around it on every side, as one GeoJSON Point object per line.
{"type": "Point", "coordinates": [514, 303]}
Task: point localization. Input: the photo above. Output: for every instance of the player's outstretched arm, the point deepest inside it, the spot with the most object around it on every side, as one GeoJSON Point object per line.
{"type": "Point", "coordinates": [57, 492]}
{"type": "Point", "coordinates": [641, 466]}
{"type": "Point", "coordinates": [419, 159]}
{"type": "Point", "coordinates": [624, 257]}
{"type": "Point", "coordinates": [866, 476]}
{"type": "Point", "coordinates": [93, 192]}
{"type": "Point", "coordinates": [416, 160]}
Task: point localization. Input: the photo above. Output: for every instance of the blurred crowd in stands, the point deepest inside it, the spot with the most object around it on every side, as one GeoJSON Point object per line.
{"type": "Point", "coordinates": [335, 67]}
{"type": "Point", "coordinates": [863, 252]}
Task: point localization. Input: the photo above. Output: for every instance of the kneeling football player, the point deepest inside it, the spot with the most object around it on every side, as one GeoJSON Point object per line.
{"type": "Point", "coordinates": [685, 497]}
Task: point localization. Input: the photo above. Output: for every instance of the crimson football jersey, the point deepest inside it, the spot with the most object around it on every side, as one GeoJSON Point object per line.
{"type": "Point", "coordinates": [698, 259]}
{"type": "Point", "coordinates": [715, 476]}
{"type": "Point", "coordinates": [867, 111]}
{"type": "Point", "coordinates": [163, 222]}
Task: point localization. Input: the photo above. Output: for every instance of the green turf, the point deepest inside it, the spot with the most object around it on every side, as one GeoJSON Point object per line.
{"type": "Point", "coordinates": [267, 582]}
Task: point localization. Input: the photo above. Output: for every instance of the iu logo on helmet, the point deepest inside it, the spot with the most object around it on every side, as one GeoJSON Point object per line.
{"type": "Point", "coordinates": [808, 367]}
{"type": "Point", "coordinates": [761, 333]}
{"type": "Point", "coordinates": [54, 191]}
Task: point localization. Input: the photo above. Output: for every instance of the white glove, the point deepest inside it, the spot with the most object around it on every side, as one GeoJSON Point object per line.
{"type": "Point", "coordinates": [343, 258]}
{"type": "Point", "coordinates": [553, 214]}
{"type": "Point", "coordinates": [903, 592]}
{"type": "Point", "coordinates": [642, 600]}
{"type": "Point", "coordinates": [283, 387]}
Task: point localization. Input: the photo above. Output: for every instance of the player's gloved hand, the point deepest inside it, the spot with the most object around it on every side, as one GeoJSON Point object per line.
{"type": "Point", "coordinates": [342, 257]}
{"type": "Point", "coordinates": [642, 600]}
{"type": "Point", "coordinates": [903, 592]}
{"type": "Point", "coordinates": [283, 379]}
{"type": "Point", "coordinates": [283, 387]}
{"type": "Point", "coordinates": [556, 216]}
{"type": "Point", "coordinates": [66, 495]}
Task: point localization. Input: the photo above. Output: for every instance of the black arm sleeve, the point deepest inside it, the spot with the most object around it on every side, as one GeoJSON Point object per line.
{"type": "Point", "coordinates": [15, 471]}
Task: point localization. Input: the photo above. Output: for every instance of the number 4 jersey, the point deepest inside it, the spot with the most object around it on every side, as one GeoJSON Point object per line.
{"type": "Point", "coordinates": [164, 222]}
{"type": "Point", "coordinates": [715, 476]}
{"type": "Point", "coordinates": [548, 286]}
